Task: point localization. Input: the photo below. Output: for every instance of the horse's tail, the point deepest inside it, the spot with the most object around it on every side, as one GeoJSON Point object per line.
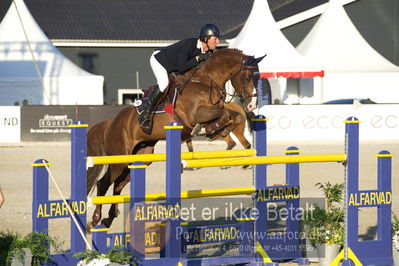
{"type": "Point", "coordinates": [96, 147]}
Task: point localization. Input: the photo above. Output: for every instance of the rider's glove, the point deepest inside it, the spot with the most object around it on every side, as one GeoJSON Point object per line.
{"type": "Point", "coordinates": [203, 57]}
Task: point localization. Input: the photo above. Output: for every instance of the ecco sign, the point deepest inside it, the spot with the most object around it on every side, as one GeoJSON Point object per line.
{"type": "Point", "coordinates": [387, 121]}
{"type": "Point", "coordinates": [322, 122]}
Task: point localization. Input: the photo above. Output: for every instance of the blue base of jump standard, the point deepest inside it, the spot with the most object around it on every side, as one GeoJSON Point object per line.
{"type": "Point", "coordinates": [44, 209]}
{"type": "Point", "coordinates": [370, 252]}
{"type": "Point", "coordinates": [263, 249]}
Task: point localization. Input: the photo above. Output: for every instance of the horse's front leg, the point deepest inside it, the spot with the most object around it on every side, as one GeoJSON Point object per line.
{"type": "Point", "coordinates": [119, 184]}
{"type": "Point", "coordinates": [205, 115]}
{"type": "Point", "coordinates": [227, 123]}
{"type": "Point", "coordinates": [214, 120]}
{"type": "Point", "coordinates": [189, 144]}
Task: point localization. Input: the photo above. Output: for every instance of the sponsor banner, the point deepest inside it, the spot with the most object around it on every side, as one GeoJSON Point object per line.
{"type": "Point", "coordinates": [286, 122]}
{"type": "Point", "coordinates": [326, 122]}
{"type": "Point", "coordinates": [47, 123]}
{"type": "Point", "coordinates": [51, 123]}
{"type": "Point", "coordinates": [10, 124]}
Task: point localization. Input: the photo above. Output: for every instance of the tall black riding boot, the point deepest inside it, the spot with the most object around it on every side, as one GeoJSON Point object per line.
{"type": "Point", "coordinates": [146, 116]}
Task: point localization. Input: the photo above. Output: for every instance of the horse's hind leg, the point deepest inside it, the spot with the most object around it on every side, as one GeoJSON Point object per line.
{"type": "Point", "coordinates": [93, 174]}
{"type": "Point", "coordinates": [190, 148]}
{"type": "Point", "coordinates": [230, 145]}
{"type": "Point", "coordinates": [230, 142]}
{"type": "Point", "coordinates": [189, 144]}
{"type": "Point", "coordinates": [119, 184]}
{"type": "Point", "coordinates": [239, 133]}
{"type": "Point", "coordinates": [102, 186]}
{"type": "Point", "coordinates": [120, 173]}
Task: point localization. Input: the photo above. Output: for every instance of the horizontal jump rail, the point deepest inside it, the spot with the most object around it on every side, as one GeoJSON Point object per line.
{"type": "Point", "coordinates": [122, 159]}
{"type": "Point", "coordinates": [202, 193]}
{"type": "Point", "coordinates": [265, 160]}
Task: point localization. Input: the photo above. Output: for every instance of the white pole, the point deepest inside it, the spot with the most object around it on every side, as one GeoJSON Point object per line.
{"type": "Point", "coordinates": [68, 207]}
{"type": "Point", "coordinates": [137, 85]}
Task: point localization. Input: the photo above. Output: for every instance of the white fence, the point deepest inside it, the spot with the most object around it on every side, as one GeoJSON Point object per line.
{"type": "Point", "coordinates": [325, 122]}
{"type": "Point", "coordinates": [10, 124]}
{"type": "Point", "coordinates": [286, 122]}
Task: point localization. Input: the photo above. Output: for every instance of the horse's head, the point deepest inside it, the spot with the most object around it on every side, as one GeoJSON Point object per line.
{"type": "Point", "coordinates": [241, 69]}
{"type": "Point", "coordinates": [245, 81]}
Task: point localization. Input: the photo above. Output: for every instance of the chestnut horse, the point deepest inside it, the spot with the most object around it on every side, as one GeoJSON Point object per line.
{"type": "Point", "coordinates": [200, 101]}
{"type": "Point", "coordinates": [96, 143]}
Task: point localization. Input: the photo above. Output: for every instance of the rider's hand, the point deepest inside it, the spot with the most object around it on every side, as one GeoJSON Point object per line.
{"type": "Point", "coordinates": [203, 57]}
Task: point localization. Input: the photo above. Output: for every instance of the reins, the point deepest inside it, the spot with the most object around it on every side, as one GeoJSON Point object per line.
{"type": "Point", "coordinates": [220, 88]}
{"type": "Point", "coordinates": [223, 89]}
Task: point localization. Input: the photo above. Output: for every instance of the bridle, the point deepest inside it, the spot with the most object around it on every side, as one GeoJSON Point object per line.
{"type": "Point", "coordinates": [244, 66]}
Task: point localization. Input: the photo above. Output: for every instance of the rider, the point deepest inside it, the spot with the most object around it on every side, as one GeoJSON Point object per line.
{"type": "Point", "coordinates": [178, 57]}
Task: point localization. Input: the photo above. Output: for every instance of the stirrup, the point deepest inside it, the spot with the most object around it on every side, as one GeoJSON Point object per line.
{"type": "Point", "coordinates": [145, 123]}
{"type": "Point", "coordinates": [198, 130]}
{"type": "Point", "coordinates": [146, 127]}
{"type": "Point", "coordinates": [143, 118]}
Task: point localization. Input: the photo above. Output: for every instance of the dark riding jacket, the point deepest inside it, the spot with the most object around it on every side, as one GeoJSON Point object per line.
{"type": "Point", "coordinates": [179, 57]}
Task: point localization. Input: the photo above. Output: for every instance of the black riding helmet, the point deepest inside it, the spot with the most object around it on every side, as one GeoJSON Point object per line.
{"type": "Point", "coordinates": [209, 30]}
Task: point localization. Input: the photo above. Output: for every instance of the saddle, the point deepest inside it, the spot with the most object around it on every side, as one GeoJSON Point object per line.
{"type": "Point", "coordinates": [176, 86]}
{"type": "Point", "coordinates": [170, 96]}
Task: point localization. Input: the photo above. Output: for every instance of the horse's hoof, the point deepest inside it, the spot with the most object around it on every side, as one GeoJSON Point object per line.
{"type": "Point", "coordinates": [198, 130]}
{"type": "Point", "coordinates": [89, 226]}
{"type": "Point", "coordinates": [212, 137]}
{"type": "Point", "coordinates": [146, 129]}
{"type": "Point", "coordinates": [106, 222]}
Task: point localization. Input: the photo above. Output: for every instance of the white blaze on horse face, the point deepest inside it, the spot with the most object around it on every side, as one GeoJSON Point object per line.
{"type": "Point", "coordinates": [252, 105]}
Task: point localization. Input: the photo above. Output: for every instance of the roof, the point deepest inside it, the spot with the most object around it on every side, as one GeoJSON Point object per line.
{"type": "Point", "coordinates": [146, 20]}
{"type": "Point", "coordinates": [37, 71]}
{"type": "Point", "coordinates": [260, 35]}
{"type": "Point", "coordinates": [336, 43]}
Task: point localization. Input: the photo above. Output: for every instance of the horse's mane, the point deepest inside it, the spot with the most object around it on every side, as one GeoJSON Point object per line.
{"type": "Point", "coordinates": [222, 54]}
{"type": "Point", "coordinates": [183, 77]}
{"type": "Point", "coordinates": [227, 51]}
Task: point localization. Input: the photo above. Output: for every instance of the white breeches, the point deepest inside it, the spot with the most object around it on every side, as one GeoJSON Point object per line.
{"type": "Point", "coordinates": [160, 72]}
